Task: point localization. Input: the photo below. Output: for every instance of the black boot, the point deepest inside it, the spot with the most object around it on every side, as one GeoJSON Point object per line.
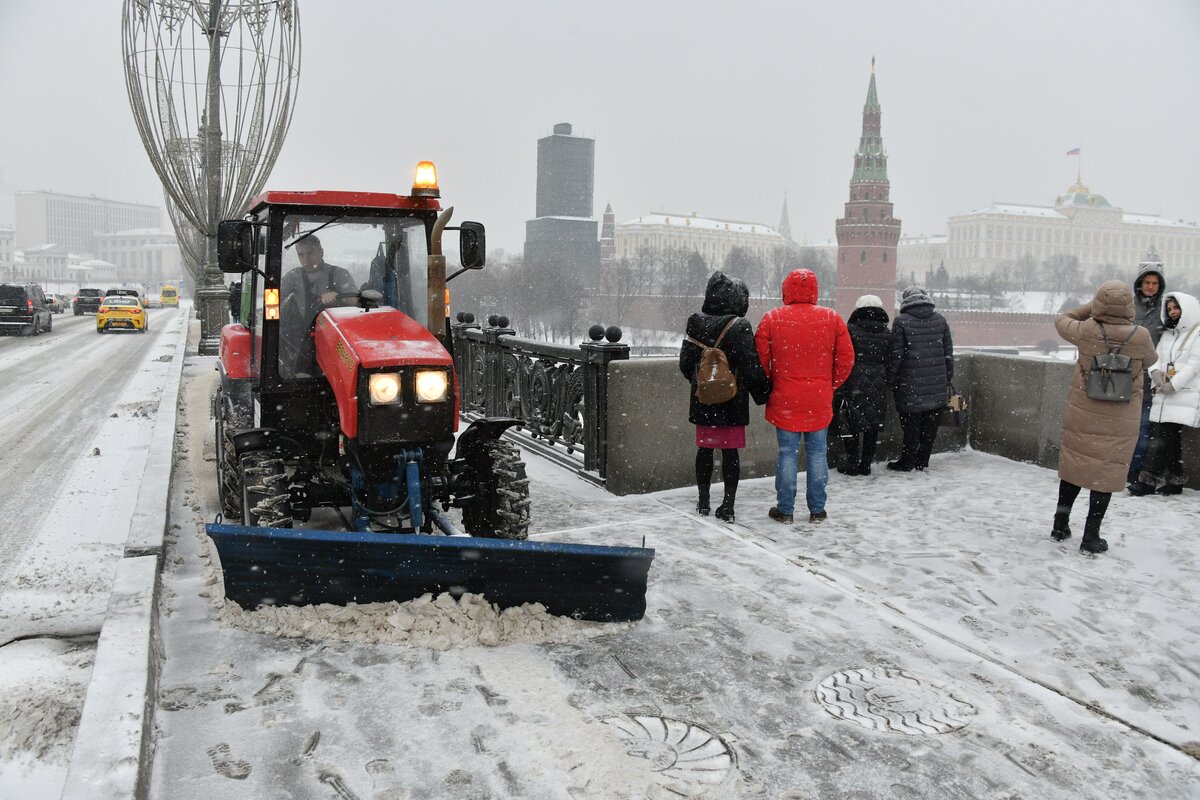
{"type": "Point", "coordinates": [702, 505]}
{"type": "Point", "coordinates": [1061, 529]}
{"type": "Point", "coordinates": [724, 511]}
{"type": "Point", "coordinates": [1092, 543]}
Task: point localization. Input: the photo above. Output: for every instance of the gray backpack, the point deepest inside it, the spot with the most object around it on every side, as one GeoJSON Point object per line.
{"type": "Point", "coordinates": [1111, 375]}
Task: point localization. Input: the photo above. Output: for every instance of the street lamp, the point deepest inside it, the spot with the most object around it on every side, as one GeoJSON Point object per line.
{"type": "Point", "coordinates": [212, 149]}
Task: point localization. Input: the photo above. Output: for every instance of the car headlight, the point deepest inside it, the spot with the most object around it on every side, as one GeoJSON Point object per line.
{"type": "Point", "coordinates": [384, 388]}
{"type": "Point", "coordinates": [432, 385]}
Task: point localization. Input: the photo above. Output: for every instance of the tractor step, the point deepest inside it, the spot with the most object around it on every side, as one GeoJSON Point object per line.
{"type": "Point", "coordinates": [285, 566]}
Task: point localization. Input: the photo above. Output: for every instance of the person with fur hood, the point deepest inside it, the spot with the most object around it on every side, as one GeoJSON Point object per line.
{"type": "Point", "coordinates": [1148, 289]}
{"type": "Point", "coordinates": [1098, 436]}
{"type": "Point", "coordinates": [920, 369]}
{"type": "Point", "coordinates": [1176, 405]}
{"type": "Point", "coordinates": [861, 402]}
{"type": "Point", "coordinates": [807, 353]}
{"type": "Point", "coordinates": [722, 425]}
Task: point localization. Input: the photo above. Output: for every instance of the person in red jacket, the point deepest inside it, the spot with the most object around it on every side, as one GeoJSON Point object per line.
{"type": "Point", "coordinates": [806, 352]}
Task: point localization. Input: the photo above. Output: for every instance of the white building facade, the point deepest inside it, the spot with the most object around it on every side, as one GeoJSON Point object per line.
{"type": "Point", "coordinates": [146, 256]}
{"type": "Point", "coordinates": [73, 221]}
{"type": "Point", "coordinates": [1079, 223]}
{"type": "Point", "coordinates": [711, 238]}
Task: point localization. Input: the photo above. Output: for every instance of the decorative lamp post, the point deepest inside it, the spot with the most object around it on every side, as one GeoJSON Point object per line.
{"type": "Point", "coordinates": [212, 84]}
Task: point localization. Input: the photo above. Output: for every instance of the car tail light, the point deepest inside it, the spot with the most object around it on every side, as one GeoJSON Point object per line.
{"type": "Point", "coordinates": [135, 311]}
{"type": "Point", "coordinates": [103, 309]}
{"type": "Point", "coordinates": [29, 303]}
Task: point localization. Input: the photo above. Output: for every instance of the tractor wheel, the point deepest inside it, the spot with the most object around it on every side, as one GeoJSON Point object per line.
{"type": "Point", "coordinates": [229, 485]}
{"type": "Point", "coordinates": [265, 500]}
{"type": "Point", "coordinates": [500, 509]}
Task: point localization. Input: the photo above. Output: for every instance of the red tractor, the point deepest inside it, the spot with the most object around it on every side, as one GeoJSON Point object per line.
{"type": "Point", "coordinates": [336, 418]}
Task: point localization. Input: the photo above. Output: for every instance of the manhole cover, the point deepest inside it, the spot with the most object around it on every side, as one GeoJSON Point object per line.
{"type": "Point", "coordinates": [893, 700]}
{"type": "Point", "coordinates": [679, 750]}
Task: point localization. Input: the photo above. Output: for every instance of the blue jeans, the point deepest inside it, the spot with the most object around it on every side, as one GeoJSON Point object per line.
{"type": "Point", "coordinates": [1139, 452]}
{"type": "Point", "coordinates": [816, 469]}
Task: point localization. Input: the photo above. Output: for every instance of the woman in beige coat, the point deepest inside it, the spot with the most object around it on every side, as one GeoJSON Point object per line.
{"type": "Point", "coordinates": [1098, 436]}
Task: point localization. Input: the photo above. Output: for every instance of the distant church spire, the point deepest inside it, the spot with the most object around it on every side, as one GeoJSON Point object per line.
{"type": "Point", "coordinates": [785, 227]}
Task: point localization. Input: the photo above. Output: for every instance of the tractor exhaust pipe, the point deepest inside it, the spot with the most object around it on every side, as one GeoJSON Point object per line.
{"type": "Point", "coordinates": [436, 292]}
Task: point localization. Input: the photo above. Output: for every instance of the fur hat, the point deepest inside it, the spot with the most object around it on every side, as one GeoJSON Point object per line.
{"type": "Point", "coordinates": [868, 301]}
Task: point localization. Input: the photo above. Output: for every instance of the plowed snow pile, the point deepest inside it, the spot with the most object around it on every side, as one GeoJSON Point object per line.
{"type": "Point", "coordinates": [440, 623]}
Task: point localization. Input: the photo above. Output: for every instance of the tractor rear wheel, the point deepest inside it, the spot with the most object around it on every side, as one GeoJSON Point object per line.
{"type": "Point", "coordinates": [229, 485]}
{"type": "Point", "coordinates": [266, 502]}
{"type": "Point", "coordinates": [500, 508]}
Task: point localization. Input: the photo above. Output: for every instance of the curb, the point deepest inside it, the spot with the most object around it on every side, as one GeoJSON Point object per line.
{"type": "Point", "coordinates": [110, 759]}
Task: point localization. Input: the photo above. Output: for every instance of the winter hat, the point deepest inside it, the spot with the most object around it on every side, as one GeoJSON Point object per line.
{"type": "Point", "coordinates": [868, 301]}
{"type": "Point", "coordinates": [914, 296]}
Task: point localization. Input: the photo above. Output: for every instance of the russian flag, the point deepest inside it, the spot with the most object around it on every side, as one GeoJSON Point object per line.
{"type": "Point", "coordinates": [1074, 151]}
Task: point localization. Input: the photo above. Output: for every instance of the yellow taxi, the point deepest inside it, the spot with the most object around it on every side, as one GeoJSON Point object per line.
{"type": "Point", "coordinates": [121, 312]}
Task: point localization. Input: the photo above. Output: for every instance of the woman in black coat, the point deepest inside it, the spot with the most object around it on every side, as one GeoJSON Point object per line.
{"type": "Point", "coordinates": [861, 402]}
{"type": "Point", "coordinates": [919, 371]}
{"type": "Point", "coordinates": [723, 425]}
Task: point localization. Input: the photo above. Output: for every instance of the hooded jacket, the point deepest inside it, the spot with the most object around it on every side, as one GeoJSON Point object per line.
{"type": "Point", "coordinates": [1147, 311]}
{"type": "Point", "coordinates": [1098, 436]}
{"type": "Point", "coordinates": [922, 357]}
{"type": "Point", "coordinates": [725, 298]}
{"type": "Point", "coordinates": [865, 391]}
{"type": "Point", "coordinates": [806, 352]}
{"type": "Point", "coordinates": [1179, 349]}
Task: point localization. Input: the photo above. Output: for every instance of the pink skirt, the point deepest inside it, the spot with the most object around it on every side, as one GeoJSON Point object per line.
{"type": "Point", "coordinates": [724, 437]}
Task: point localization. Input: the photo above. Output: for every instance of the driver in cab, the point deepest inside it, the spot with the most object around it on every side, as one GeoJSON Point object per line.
{"type": "Point", "coordinates": [307, 290]}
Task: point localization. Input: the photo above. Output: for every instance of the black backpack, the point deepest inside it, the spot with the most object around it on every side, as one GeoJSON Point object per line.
{"type": "Point", "coordinates": [1111, 375]}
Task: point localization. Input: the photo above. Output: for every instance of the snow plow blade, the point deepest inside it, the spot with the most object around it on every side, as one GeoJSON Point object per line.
{"type": "Point", "coordinates": [284, 566]}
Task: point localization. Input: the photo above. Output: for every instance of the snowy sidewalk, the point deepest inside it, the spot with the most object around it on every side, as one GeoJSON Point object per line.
{"type": "Point", "coordinates": [928, 641]}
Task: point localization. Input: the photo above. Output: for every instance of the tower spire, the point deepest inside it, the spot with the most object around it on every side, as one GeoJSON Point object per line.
{"type": "Point", "coordinates": [785, 226]}
{"type": "Point", "coordinates": [868, 232]}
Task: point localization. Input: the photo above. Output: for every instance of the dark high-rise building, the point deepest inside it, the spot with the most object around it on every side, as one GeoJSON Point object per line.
{"type": "Point", "coordinates": [562, 238]}
{"type": "Point", "coordinates": [566, 174]}
{"type": "Point", "coordinates": [868, 233]}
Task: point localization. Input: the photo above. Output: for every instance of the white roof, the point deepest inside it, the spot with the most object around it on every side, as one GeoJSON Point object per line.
{"type": "Point", "coordinates": [703, 223]}
{"type": "Point", "coordinates": [1151, 219]}
{"type": "Point", "coordinates": [96, 263]}
{"type": "Point", "coordinates": [1015, 209]}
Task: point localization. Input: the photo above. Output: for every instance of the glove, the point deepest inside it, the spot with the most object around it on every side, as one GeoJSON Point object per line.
{"type": "Point", "coordinates": [1166, 388]}
{"type": "Point", "coordinates": [1157, 377]}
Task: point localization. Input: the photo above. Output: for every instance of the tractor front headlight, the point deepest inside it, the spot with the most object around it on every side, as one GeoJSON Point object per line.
{"type": "Point", "coordinates": [384, 388]}
{"type": "Point", "coordinates": [433, 385]}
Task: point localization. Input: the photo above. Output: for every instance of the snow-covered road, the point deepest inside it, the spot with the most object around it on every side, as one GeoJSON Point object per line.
{"type": "Point", "coordinates": [928, 641]}
{"type": "Point", "coordinates": [77, 411]}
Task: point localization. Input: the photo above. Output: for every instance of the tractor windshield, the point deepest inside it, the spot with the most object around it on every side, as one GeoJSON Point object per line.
{"type": "Point", "coordinates": [328, 260]}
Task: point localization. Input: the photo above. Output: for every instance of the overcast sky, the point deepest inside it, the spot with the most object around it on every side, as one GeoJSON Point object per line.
{"type": "Point", "coordinates": [717, 108]}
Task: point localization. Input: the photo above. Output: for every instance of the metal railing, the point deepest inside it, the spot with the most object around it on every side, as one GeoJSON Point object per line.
{"type": "Point", "coordinates": [559, 392]}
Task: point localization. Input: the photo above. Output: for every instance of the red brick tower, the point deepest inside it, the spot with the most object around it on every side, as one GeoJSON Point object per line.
{"type": "Point", "coordinates": [868, 233]}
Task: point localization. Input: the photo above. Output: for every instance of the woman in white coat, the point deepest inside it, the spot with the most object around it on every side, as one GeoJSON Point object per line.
{"type": "Point", "coordinates": [1176, 382]}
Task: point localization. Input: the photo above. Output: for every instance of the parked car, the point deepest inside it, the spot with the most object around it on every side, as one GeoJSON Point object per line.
{"type": "Point", "coordinates": [121, 312]}
{"type": "Point", "coordinates": [23, 309]}
{"type": "Point", "coordinates": [55, 303]}
{"type": "Point", "coordinates": [87, 301]}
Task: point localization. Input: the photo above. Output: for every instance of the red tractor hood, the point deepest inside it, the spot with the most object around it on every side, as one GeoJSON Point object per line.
{"type": "Point", "coordinates": [349, 338]}
{"type": "Point", "coordinates": [381, 337]}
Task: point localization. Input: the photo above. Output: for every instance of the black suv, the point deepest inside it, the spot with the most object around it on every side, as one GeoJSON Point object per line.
{"type": "Point", "coordinates": [87, 301]}
{"type": "Point", "coordinates": [23, 309]}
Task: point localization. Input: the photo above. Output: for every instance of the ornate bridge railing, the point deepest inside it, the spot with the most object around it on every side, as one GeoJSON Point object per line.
{"type": "Point", "coordinates": [559, 392]}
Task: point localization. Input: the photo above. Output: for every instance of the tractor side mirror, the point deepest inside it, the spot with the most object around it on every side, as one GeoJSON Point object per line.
{"type": "Point", "coordinates": [236, 240]}
{"type": "Point", "coordinates": [471, 245]}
